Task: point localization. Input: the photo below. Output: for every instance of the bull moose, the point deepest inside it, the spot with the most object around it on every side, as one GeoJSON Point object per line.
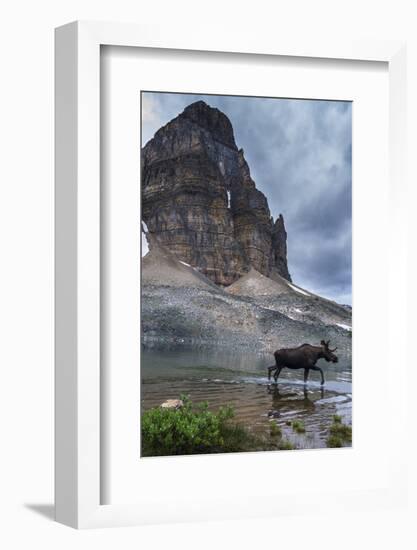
{"type": "Point", "coordinates": [304, 357]}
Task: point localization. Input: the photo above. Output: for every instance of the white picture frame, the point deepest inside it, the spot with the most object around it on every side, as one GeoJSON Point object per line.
{"type": "Point", "coordinates": [78, 406]}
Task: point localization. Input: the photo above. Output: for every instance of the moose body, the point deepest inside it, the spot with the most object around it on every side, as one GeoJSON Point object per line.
{"type": "Point", "coordinates": [304, 357]}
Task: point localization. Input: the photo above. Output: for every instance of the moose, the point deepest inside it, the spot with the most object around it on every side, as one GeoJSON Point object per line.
{"type": "Point", "coordinates": [304, 357]}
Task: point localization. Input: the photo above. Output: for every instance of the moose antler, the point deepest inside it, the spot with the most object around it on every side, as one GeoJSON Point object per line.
{"type": "Point", "coordinates": [326, 345]}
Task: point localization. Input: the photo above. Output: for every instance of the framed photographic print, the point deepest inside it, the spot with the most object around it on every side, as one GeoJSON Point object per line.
{"type": "Point", "coordinates": [217, 295]}
{"type": "Point", "coordinates": [223, 278]}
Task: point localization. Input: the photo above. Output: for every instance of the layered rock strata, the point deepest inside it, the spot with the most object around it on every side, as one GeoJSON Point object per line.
{"type": "Point", "coordinates": [200, 202]}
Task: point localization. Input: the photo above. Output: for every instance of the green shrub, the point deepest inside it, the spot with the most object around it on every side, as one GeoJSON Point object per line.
{"type": "Point", "coordinates": [334, 441]}
{"type": "Point", "coordinates": [192, 430]}
{"type": "Point", "coordinates": [343, 431]}
{"type": "Point", "coordinates": [285, 445]}
{"type": "Point", "coordinates": [339, 433]}
{"type": "Point", "coordinates": [275, 430]}
{"type": "Point", "coordinates": [298, 426]}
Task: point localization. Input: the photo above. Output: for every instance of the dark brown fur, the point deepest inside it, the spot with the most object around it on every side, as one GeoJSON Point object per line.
{"type": "Point", "coordinates": [304, 357]}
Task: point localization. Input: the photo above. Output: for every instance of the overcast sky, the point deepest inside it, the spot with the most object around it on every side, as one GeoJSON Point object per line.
{"type": "Point", "coordinates": [299, 154]}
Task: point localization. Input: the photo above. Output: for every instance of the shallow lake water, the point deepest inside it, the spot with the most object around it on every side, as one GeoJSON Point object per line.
{"type": "Point", "coordinates": [222, 376]}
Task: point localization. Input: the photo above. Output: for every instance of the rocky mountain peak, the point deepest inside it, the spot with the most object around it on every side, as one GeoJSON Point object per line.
{"type": "Point", "coordinates": [212, 120]}
{"type": "Point", "coordinates": [200, 202]}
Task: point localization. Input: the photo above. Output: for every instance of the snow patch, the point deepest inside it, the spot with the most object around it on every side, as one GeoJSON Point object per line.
{"type": "Point", "coordinates": [291, 317]}
{"type": "Point", "coordinates": [345, 327]}
{"type": "Point", "coordinates": [145, 227]}
{"type": "Point", "coordinates": [228, 199]}
{"type": "Point", "coordinates": [298, 290]}
{"type": "Point", "coordinates": [183, 263]}
{"type": "Point", "coordinates": [145, 247]}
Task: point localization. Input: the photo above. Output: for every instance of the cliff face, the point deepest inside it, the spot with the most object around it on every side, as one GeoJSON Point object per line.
{"type": "Point", "coordinates": [279, 249]}
{"type": "Point", "coordinates": [200, 202]}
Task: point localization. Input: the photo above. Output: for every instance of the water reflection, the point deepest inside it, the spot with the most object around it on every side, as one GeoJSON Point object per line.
{"type": "Point", "coordinates": [292, 403]}
{"type": "Point", "coordinates": [305, 397]}
{"type": "Point", "coordinates": [224, 376]}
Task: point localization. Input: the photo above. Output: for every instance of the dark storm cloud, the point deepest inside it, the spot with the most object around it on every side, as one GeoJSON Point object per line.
{"type": "Point", "coordinates": [299, 153]}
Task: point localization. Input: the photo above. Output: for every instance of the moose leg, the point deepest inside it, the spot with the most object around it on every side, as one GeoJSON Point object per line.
{"type": "Point", "coordinates": [276, 374]}
{"type": "Point", "coordinates": [321, 372]}
{"type": "Point", "coordinates": [270, 369]}
{"type": "Point", "coordinates": [306, 372]}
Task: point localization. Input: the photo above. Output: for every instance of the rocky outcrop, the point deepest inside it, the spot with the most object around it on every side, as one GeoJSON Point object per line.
{"type": "Point", "coordinates": [279, 263]}
{"type": "Point", "coordinates": [200, 202]}
{"type": "Point", "coordinates": [172, 404]}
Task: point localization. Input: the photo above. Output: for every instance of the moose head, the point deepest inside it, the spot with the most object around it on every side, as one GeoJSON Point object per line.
{"type": "Point", "coordinates": [328, 354]}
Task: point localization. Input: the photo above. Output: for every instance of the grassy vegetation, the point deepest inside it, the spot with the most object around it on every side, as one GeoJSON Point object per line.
{"type": "Point", "coordinates": [339, 433]}
{"type": "Point", "coordinates": [282, 444]}
{"type": "Point", "coordinates": [285, 445]}
{"type": "Point", "coordinates": [275, 430]}
{"type": "Point", "coordinates": [298, 426]}
{"type": "Point", "coordinates": [196, 430]}
{"type": "Point", "coordinates": [334, 441]}
{"type": "Point", "coordinates": [342, 430]}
